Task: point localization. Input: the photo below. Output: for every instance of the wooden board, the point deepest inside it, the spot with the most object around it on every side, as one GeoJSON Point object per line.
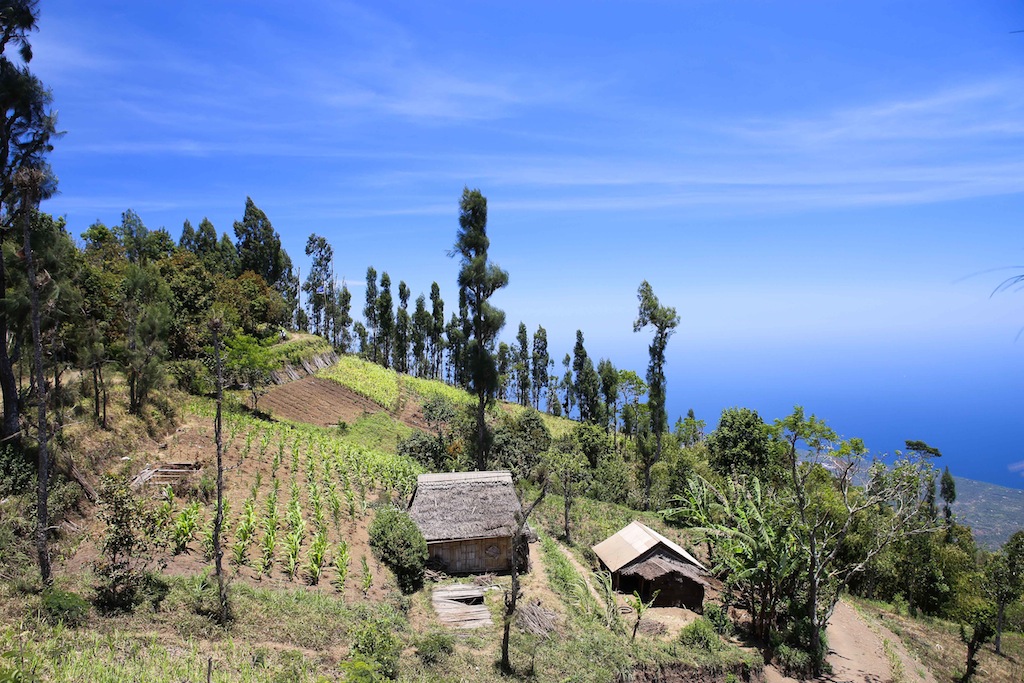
{"type": "Point", "coordinates": [461, 606]}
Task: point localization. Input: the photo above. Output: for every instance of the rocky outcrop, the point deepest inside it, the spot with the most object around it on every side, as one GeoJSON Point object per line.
{"type": "Point", "coordinates": [308, 366]}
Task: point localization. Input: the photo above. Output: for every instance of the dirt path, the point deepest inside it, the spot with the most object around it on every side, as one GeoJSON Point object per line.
{"type": "Point", "coordinates": [857, 653]}
{"type": "Point", "coordinates": [585, 573]}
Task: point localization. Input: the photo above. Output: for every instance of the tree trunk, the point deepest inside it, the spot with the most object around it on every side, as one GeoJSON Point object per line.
{"type": "Point", "coordinates": [1000, 615]}
{"type": "Point", "coordinates": [96, 393]}
{"type": "Point", "coordinates": [481, 432]}
{"type": "Point", "coordinates": [10, 430]}
{"type": "Point", "coordinates": [43, 464]}
{"type": "Point", "coordinates": [512, 597]}
{"type": "Point", "coordinates": [103, 389]}
{"type": "Point", "coordinates": [218, 520]}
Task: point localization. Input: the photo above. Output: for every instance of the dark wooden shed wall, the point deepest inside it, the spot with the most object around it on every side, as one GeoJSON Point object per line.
{"type": "Point", "coordinates": [675, 590]}
{"type": "Point", "coordinates": [473, 556]}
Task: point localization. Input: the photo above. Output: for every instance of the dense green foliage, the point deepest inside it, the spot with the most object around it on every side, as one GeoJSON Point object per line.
{"type": "Point", "coordinates": [398, 543]}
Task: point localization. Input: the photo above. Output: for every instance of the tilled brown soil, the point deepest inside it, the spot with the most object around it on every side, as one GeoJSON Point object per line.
{"type": "Point", "coordinates": [324, 403]}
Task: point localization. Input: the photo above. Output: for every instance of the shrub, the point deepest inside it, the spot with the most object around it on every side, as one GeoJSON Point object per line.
{"type": "Point", "coordinates": [375, 641]}
{"type": "Point", "coordinates": [192, 376]}
{"type": "Point", "coordinates": [435, 646]}
{"type": "Point", "coordinates": [700, 634]}
{"type": "Point", "coordinates": [202, 596]}
{"type": "Point", "coordinates": [423, 448]}
{"type": "Point", "coordinates": [900, 605]}
{"type": "Point", "coordinates": [398, 543]}
{"type": "Point", "coordinates": [17, 470]}
{"type": "Point", "coordinates": [65, 607]}
{"type": "Point", "coordinates": [794, 661]}
{"type": "Point", "coordinates": [359, 669]}
{"type": "Point", "coordinates": [719, 619]}
{"type": "Point", "coordinates": [122, 567]}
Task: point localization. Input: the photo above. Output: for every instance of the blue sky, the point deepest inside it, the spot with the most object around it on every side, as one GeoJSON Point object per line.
{"type": "Point", "coordinates": [825, 191]}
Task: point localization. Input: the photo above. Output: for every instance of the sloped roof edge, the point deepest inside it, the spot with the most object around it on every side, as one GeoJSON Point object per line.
{"type": "Point", "coordinates": [634, 540]}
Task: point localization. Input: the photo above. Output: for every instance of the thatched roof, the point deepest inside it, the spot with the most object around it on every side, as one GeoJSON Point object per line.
{"type": "Point", "coordinates": [635, 541]}
{"type": "Point", "coordinates": [464, 505]}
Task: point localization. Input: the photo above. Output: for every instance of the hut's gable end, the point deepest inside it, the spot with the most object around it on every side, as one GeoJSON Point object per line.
{"type": "Point", "coordinates": [634, 542]}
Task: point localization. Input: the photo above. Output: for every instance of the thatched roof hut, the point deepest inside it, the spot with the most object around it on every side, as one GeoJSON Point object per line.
{"type": "Point", "coordinates": [640, 559]}
{"type": "Point", "coordinates": [467, 519]}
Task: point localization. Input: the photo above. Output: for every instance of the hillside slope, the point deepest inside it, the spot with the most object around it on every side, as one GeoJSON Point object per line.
{"type": "Point", "coordinates": [993, 512]}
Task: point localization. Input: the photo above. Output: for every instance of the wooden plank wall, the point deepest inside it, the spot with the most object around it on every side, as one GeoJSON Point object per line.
{"type": "Point", "coordinates": [479, 555]}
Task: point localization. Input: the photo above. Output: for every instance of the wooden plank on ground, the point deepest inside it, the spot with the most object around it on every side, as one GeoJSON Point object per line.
{"type": "Point", "coordinates": [453, 606]}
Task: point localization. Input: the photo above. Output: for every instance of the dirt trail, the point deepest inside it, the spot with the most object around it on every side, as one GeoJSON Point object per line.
{"type": "Point", "coordinates": [585, 573]}
{"type": "Point", "coordinates": [857, 653]}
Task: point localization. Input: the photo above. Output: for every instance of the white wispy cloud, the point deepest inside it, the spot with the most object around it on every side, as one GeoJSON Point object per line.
{"type": "Point", "coordinates": [989, 108]}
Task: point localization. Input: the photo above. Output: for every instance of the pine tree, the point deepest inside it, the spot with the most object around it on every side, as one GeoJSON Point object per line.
{"type": "Point", "coordinates": [540, 364]}
{"type": "Point", "coordinates": [422, 328]}
{"type": "Point", "coordinates": [610, 391]}
{"type": "Point", "coordinates": [522, 366]}
{"type": "Point", "coordinates": [344, 320]}
{"type": "Point", "coordinates": [437, 331]}
{"type": "Point", "coordinates": [402, 325]}
{"type": "Point", "coordinates": [370, 313]}
{"type": "Point", "coordinates": [479, 279]}
{"type": "Point", "coordinates": [664, 320]}
{"type": "Point", "coordinates": [318, 282]}
{"type": "Point", "coordinates": [385, 320]}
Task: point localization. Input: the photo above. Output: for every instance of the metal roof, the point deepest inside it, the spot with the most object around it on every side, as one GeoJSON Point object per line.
{"type": "Point", "coordinates": [633, 541]}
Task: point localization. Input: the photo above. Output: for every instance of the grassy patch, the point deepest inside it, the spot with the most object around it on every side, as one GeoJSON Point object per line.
{"type": "Point", "coordinates": [367, 379]}
{"type": "Point", "coordinates": [377, 431]}
{"type": "Point", "coordinates": [298, 347]}
{"type": "Point", "coordinates": [426, 389]}
{"type": "Point", "coordinates": [283, 635]}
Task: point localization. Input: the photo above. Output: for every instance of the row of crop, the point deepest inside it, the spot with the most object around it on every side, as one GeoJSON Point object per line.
{"type": "Point", "coordinates": [262, 440]}
{"type": "Point", "coordinates": [337, 477]}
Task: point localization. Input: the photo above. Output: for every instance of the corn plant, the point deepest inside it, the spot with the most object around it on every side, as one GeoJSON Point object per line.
{"type": "Point", "coordinates": [247, 448]}
{"type": "Point", "coordinates": [292, 545]}
{"type": "Point", "coordinates": [310, 468]}
{"type": "Point", "coordinates": [334, 502]}
{"type": "Point", "coordinates": [366, 577]}
{"type": "Point", "coordinates": [207, 540]}
{"type": "Point", "coordinates": [294, 515]}
{"type": "Point", "coordinates": [316, 501]}
{"type": "Point", "coordinates": [278, 457]}
{"type": "Point", "coordinates": [315, 558]}
{"type": "Point", "coordinates": [341, 561]}
{"type": "Point", "coordinates": [246, 531]}
{"type": "Point", "coordinates": [165, 510]}
{"type": "Point", "coordinates": [185, 526]}
{"type": "Point", "coordinates": [350, 497]}
{"type": "Point", "coordinates": [255, 489]}
{"type": "Point", "coordinates": [268, 546]}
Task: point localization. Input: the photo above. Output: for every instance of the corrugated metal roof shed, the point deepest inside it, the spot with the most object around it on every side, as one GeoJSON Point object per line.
{"type": "Point", "coordinates": [634, 541]}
